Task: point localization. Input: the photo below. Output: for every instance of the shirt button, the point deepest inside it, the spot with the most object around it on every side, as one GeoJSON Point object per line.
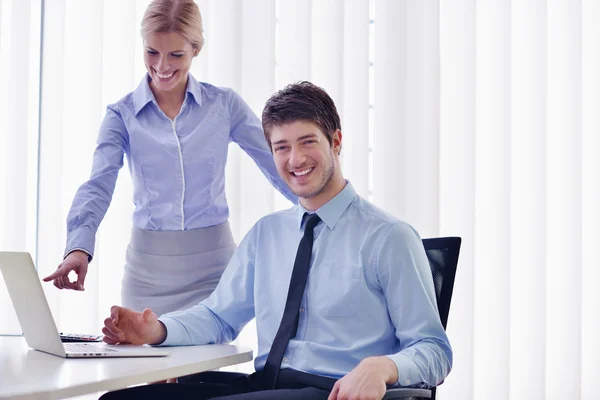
{"type": "Point", "coordinates": [284, 359]}
{"type": "Point", "coordinates": [407, 381]}
{"type": "Point", "coordinates": [302, 310]}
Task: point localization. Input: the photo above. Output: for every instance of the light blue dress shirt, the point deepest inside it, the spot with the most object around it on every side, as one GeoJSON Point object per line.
{"type": "Point", "coordinates": [369, 292]}
{"type": "Point", "coordinates": [177, 166]}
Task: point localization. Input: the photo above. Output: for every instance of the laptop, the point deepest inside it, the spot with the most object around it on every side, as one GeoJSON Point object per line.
{"type": "Point", "coordinates": [36, 319]}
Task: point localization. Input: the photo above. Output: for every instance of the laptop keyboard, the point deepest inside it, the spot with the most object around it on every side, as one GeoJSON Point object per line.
{"type": "Point", "coordinates": [74, 337]}
{"type": "Point", "coordinates": [86, 348]}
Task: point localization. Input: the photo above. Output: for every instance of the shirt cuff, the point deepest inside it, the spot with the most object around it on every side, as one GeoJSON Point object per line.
{"type": "Point", "coordinates": [174, 332]}
{"type": "Point", "coordinates": [81, 239]}
{"type": "Point", "coordinates": [408, 372]}
{"type": "Point", "coordinates": [89, 256]}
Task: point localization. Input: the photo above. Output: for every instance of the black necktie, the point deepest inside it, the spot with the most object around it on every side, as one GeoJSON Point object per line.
{"type": "Point", "coordinates": [291, 312]}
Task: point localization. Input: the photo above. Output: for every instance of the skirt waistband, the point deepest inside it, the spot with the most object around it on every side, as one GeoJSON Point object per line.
{"type": "Point", "coordinates": [177, 243]}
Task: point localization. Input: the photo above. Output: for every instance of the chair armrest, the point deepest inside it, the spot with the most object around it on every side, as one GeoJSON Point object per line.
{"type": "Point", "coordinates": [407, 393]}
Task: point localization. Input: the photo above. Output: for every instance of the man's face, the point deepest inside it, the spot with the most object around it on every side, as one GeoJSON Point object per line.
{"type": "Point", "coordinates": [305, 160]}
{"type": "Point", "coordinates": [168, 58]}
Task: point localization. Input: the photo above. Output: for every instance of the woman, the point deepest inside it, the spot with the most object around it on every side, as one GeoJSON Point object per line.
{"type": "Point", "coordinates": [175, 132]}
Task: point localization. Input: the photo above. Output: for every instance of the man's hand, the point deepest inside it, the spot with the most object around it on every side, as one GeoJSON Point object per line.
{"type": "Point", "coordinates": [126, 326]}
{"type": "Point", "coordinates": [75, 261]}
{"type": "Point", "coordinates": [367, 381]}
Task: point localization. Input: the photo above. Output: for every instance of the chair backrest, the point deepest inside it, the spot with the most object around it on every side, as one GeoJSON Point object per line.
{"type": "Point", "coordinates": [442, 254]}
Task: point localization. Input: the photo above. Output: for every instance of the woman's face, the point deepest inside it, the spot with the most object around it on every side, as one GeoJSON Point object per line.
{"type": "Point", "coordinates": [168, 58]}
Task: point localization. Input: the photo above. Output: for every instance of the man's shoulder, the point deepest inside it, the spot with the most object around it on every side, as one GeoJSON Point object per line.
{"type": "Point", "coordinates": [279, 217]}
{"type": "Point", "coordinates": [274, 221]}
{"type": "Point", "coordinates": [377, 217]}
{"type": "Point", "coordinates": [372, 212]}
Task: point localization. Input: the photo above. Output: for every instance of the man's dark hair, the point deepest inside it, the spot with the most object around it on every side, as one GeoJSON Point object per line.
{"type": "Point", "coordinates": [301, 101]}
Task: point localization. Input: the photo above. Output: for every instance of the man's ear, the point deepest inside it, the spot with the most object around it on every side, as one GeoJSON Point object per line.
{"type": "Point", "coordinates": [336, 141]}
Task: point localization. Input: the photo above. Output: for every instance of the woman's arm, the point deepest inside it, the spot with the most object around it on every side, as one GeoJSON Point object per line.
{"type": "Point", "coordinates": [93, 197]}
{"type": "Point", "coordinates": [246, 130]}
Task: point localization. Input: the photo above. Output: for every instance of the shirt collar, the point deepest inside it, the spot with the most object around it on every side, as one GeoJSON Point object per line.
{"type": "Point", "coordinates": [331, 211]}
{"type": "Point", "coordinates": [143, 94]}
{"type": "Point", "coordinates": [195, 89]}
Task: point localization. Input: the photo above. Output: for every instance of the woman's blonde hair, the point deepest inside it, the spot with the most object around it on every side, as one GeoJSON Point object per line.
{"type": "Point", "coordinates": [180, 16]}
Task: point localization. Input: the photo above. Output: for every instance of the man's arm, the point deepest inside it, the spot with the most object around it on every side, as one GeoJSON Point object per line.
{"type": "Point", "coordinates": [425, 358]}
{"type": "Point", "coordinates": [217, 319]}
{"type": "Point", "coordinates": [220, 317]}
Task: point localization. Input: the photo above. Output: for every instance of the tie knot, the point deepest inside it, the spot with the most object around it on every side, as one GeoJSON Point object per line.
{"type": "Point", "coordinates": [311, 221]}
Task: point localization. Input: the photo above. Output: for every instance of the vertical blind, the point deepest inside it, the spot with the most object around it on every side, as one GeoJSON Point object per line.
{"type": "Point", "coordinates": [470, 118]}
{"type": "Point", "coordinates": [20, 23]}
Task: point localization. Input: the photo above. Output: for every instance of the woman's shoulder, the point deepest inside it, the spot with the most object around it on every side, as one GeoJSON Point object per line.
{"type": "Point", "coordinates": [213, 92]}
{"type": "Point", "coordinates": [133, 101]}
{"type": "Point", "coordinates": [126, 102]}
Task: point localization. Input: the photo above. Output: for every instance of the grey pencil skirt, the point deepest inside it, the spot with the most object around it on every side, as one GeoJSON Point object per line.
{"type": "Point", "coordinates": [174, 270]}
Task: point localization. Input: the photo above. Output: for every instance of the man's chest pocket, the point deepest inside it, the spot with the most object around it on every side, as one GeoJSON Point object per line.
{"type": "Point", "coordinates": [336, 291]}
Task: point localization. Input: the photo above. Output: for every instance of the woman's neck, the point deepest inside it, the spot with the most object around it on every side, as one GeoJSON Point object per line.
{"type": "Point", "coordinates": [170, 102]}
{"type": "Point", "coordinates": [171, 98]}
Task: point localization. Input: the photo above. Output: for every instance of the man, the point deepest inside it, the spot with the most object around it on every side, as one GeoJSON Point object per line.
{"type": "Point", "coordinates": [341, 291]}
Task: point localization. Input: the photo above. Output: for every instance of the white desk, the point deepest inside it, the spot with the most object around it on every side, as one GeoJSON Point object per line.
{"type": "Point", "coordinates": [30, 374]}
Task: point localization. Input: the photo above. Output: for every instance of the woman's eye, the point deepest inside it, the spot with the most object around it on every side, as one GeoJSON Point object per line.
{"type": "Point", "coordinates": [152, 52]}
{"type": "Point", "coordinates": [177, 55]}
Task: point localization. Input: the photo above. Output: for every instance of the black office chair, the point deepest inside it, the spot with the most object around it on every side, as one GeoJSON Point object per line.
{"type": "Point", "coordinates": [442, 254]}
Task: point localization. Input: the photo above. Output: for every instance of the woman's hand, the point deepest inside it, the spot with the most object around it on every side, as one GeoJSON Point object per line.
{"type": "Point", "coordinates": [75, 261]}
